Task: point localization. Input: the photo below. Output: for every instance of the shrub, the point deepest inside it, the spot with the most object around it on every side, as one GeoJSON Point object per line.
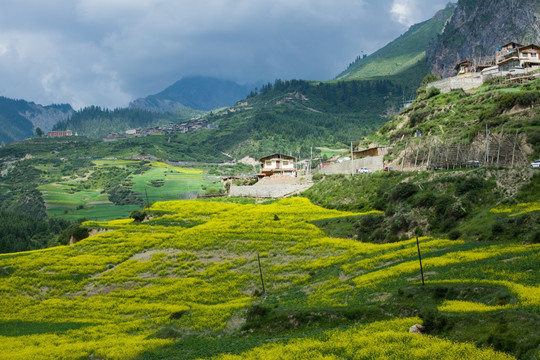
{"type": "Point", "coordinates": [403, 191]}
{"type": "Point", "coordinates": [401, 220]}
{"type": "Point", "coordinates": [454, 234]}
{"type": "Point", "coordinates": [471, 184]}
{"type": "Point", "coordinates": [137, 215]}
{"type": "Point", "coordinates": [434, 322]}
{"type": "Point", "coordinates": [432, 91]}
{"type": "Point", "coordinates": [425, 199]}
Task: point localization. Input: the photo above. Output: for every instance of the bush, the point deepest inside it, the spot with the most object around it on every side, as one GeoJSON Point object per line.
{"type": "Point", "coordinates": [471, 184]}
{"type": "Point", "coordinates": [454, 234]}
{"type": "Point", "coordinates": [432, 91]}
{"type": "Point", "coordinates": [425, 199]}
{"type": "Point", "coordinates": [403, 191]}
{"type": "Point", "coordinates": [434, 322]}
{"type": "Point", "coordinates": [137, 215]}
{"type": "Point", "coordinates": [401, 220]}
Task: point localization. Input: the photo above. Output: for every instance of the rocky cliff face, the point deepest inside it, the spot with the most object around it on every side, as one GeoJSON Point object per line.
{"type": "Point", "coordinates": [20, 118]}
{"type": "Point", "coordinates": [45, 117]}
{"type": "Point", "coordinates": [478, 27]}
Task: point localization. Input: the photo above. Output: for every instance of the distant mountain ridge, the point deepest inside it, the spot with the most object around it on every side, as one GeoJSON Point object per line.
{"type": "Point", "coordinates": [20, 118]}
{"type": "Point", "coordinates": [196, 92]}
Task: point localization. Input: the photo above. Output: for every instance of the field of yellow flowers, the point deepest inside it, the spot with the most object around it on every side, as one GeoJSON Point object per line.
{"type": "Point", "coordinates": [159, 290]}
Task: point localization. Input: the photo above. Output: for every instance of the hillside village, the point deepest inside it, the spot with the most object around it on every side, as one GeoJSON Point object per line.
{"type": "Point", "coordinates": [511, 61]}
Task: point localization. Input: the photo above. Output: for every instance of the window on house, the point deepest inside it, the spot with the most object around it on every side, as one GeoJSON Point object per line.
{"type": "Point", "coordinates": [285, 162]}
{"type": "Point", "coordinates": [268, 163]}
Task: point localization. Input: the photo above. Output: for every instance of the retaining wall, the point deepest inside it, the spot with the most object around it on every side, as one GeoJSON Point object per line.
{"type": "Point", "coordinates": [373, 163]}
{"type": "Point", "coordinates": [267, 191]}
{"type": "Point", "coordinates": [453, 83]}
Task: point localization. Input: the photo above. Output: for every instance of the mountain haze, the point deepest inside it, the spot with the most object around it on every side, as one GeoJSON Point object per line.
{"type": "Point", "coordinates": [197, 92]}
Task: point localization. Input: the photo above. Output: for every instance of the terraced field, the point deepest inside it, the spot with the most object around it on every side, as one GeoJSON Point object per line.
{"type": "Point", "coordinates": [188, 284]}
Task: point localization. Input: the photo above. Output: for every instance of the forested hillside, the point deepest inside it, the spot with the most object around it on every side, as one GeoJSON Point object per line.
{"type": "Point", "coordinates": [94, 121]}
{"type": "Point", "coordinates": [287, 116]}
{"type": "Point", "coordinates": [291, 116]}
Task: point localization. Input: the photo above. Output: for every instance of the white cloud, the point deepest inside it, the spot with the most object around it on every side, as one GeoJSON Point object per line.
{"type": "Point", "coordinates": [404, 11]}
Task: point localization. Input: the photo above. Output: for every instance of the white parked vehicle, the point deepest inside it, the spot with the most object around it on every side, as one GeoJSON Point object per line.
{"type": "Point", "coordinates": [364, 170]}
{"type": "Point", "coordinates": [536, 164]}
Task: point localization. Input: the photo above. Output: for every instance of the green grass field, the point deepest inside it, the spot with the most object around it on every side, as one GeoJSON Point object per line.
{"type": "Point", "coordinates": [69, 199]}
{"type": "Point", "coordinates": [177, 182]}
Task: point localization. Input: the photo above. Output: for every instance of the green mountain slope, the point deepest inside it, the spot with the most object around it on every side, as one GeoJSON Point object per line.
{"type": "Point", "coordinates": [291, 116]}
{"type": "Point", "coordinates": [93, 121]}
{"type": "Point", "coordinates": [189, 285]}
{"type": "Point", "coordinates": [509, 111]}
{"type": "Point", "coordinates": [404, 54]}
{"type": "Point", "coordinates": [287, 116]}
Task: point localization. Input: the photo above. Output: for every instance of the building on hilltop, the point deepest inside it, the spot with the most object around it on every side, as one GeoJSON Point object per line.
{"type": "Point", "coordinates": [277, 164]}
{"type": "Point", "coordinates": [60, 133]}
{"type": "Point", "coordinates": [514, 56]}
{"type": "Point", "coordinates": [509, 60]}
{"type": "Point", "coordinates": [465, 67]}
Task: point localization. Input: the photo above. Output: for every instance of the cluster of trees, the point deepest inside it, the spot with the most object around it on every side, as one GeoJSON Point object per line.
{"type": "Point", "coordinates": [21, 232]}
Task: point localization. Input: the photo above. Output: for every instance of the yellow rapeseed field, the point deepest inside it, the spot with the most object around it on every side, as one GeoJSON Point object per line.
{"type": "Point", "coordinates": [108, 295]}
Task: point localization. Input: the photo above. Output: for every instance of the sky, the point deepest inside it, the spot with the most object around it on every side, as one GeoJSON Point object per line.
{"type": "Point", "coordinates": [110, 52]}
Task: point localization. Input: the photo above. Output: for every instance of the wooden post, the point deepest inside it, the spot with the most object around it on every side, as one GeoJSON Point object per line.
{"type": "Point", "coordinates": [260, 271]}
{"type": "Point", "coordinates": [514, 149]}
{"type": "Point", "coordinates": [499, 148]}
{"type": "Point", "coordinates": [436, 147]}
{"type": "Point", "coordinates": [417, 151]}
{"type": "Point", "coordinates": [404, 155]}
{"type": "Point", "coordinates": [457, 156]}
{"type": "Point", "coordinates": [420, 260]}
{"type": "Point", "coordinates": [429, 153]}
{"type": "Point", "coordinates": [352, 160]}
{"type": "Point", "coordinates": [487, 146]}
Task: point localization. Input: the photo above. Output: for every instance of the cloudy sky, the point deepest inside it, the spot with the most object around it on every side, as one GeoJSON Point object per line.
{"type": "Point", "coordinates": [109, 52]}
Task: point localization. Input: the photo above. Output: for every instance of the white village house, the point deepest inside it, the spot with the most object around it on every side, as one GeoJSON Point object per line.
{"type": "Point", "coordinates": [277, 164]}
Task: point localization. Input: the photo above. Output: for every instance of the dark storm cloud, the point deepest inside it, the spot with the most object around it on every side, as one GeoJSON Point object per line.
{"type": "Point", "coordinates": [107, 52]}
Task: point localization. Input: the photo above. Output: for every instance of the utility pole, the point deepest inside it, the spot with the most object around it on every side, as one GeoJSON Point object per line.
{"type": "Point", "coordinates": [310, 158]}
{"type": "Point", "coordinates": [420, 260]}
{"type": "Point", "coordinates": [260, 272]}
{"type": "Point", "coordinates": [487, 145]}
{"type": "Point", "coordinates": [352, 160]}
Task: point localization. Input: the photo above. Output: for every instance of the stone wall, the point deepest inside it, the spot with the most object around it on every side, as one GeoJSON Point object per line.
{"type": "Point", "coordinates": [373, 163]}
{"type": "Point", "coordinates": [268, 191]}
{"type": "Point", "coordinates": [453, 83]}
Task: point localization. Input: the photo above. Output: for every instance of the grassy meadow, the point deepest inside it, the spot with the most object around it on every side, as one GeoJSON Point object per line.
{"type": "Point", "coordinates": [82, 196]}
{"type": "Point", "coordinates": [187, 285]}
